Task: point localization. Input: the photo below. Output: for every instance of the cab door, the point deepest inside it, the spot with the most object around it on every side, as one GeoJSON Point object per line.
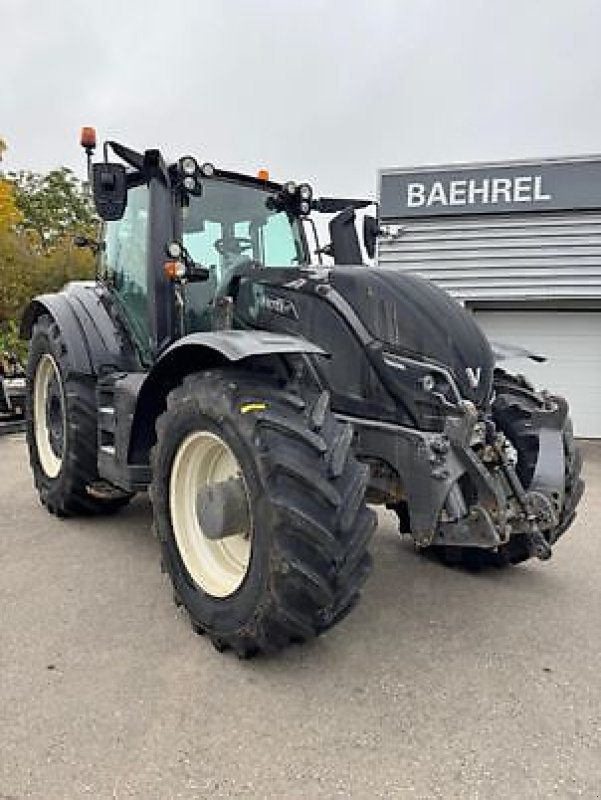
{"type": "Point", "coordinates": [124, 265]}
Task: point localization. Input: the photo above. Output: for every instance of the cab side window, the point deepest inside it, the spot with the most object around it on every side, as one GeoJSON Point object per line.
{"type": "Point", "coordinates": [124, 263]}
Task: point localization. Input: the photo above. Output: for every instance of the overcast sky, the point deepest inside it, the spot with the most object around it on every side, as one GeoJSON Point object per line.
{"type": "Point", "coordinates": [319, 90]}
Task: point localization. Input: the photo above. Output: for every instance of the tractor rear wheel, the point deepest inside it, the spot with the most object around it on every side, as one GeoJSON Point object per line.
{"type": "Point", "coordinates": [258, 503]}
{"type": "Point", "coordinates": [60, 411]}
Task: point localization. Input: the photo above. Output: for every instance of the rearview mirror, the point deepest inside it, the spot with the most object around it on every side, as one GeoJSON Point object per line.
{"type": "Point", "coordinates": [109, 186]}
{"type": "Point", "coordinates": [345, 242]}
{"type": "Point", "coordinates": [371, 230]}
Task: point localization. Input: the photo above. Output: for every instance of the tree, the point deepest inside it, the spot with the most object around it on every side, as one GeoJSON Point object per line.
{"type": "Point", "coordinates": [53, 207]}
{"type": "Point", "coordinates": [39, 214]}
{"type": "Point", "coordinates": [9, 213]}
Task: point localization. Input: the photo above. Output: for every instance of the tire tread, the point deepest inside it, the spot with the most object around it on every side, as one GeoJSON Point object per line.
{"type": "Point", "coordinates": [320, 527]}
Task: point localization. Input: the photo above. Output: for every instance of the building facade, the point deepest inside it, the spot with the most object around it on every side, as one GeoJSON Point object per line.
{"type": "Point", "coordinates": [519, 243]}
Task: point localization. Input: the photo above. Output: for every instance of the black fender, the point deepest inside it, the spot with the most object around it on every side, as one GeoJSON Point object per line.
{"type": "Point", "coordinates": [234, 345]}
{"type": "Point", "coordinates": [96, 342]}
{"type": "Point", "coordinates": [194, 353]}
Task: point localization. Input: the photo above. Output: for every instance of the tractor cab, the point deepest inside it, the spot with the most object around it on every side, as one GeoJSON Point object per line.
{"type": "Point", "coordinates": [177, 237]}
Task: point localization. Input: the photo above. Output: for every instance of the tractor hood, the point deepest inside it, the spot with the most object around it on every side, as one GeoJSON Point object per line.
{"type": "Point", "coordinates": [416, 318]}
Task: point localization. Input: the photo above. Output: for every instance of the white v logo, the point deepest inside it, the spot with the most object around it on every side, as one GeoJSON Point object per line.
{"type": "Point", "coordinates": [473, 376]}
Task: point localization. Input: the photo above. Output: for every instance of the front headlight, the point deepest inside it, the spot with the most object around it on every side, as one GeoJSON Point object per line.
{"type": "Point", "coordinates": [420, 377]}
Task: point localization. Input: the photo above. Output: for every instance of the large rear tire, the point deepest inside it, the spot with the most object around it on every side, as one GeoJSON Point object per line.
{"type": "Point", "coordinates": [295, 567]}
{"type": "Point", "coordinates": [60, 412]}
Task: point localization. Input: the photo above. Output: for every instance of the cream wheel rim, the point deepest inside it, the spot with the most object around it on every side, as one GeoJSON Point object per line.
{"type": "Point", "coordinates": [218, 566]}
{"type": "Point", "coordinates": [49, 415]}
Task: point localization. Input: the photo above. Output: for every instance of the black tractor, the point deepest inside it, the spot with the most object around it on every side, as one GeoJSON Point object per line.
{"type": "Point", "coordinates": [264, 399]}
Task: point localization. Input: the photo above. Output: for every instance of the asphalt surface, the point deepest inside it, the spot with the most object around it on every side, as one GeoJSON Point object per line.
{"type": "Point", "coordinates": [442, 684]}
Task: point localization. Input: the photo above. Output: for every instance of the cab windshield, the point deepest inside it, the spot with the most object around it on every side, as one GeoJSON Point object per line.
{"type": "Point", "coordinates": [229, 225]}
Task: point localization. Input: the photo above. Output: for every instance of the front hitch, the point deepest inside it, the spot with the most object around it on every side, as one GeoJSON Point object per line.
{"type": "Point", "coordinates": [536, 507]}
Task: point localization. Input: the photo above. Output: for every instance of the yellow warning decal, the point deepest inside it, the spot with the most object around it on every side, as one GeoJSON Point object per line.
{"type": "Point", "coordinates": [247, 407]}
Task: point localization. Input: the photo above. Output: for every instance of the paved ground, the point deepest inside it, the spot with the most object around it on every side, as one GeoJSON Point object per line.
{"type": "Point", "coordinates": [441, 685]}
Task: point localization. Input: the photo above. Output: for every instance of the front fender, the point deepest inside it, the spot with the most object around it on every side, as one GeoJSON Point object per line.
{"type": "Point", "coordinates": [234, 345]}
{"type": "Point", "coordinates": [194, 353]}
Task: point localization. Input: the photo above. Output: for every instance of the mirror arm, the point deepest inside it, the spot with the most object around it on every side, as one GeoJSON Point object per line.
{"type": "Point", "coordinates": [131, 157]}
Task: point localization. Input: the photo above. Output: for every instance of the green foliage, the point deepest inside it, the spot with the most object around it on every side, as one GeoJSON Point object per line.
{"type": "Point", "coordinates": [15, 276]}
{"type": "Point", "coordinates": [25, 272]}
{"type": "Point", "coordinates": [39, 215]}
{"type": "Point", "coordinates": [53, 207]}
{"type": "Point", "coordinates": [9, 213]}
{"type": "Point", "coordinates": [10, 342]}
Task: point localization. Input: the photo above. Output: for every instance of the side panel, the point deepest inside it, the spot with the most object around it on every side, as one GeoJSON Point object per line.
{"type": "Point", "coordinates": [348, 375]}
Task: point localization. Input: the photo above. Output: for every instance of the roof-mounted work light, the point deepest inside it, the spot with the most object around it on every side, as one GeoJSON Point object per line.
{"type": "Point", "coordinates": [305, 192]}
{"type": "Point", "coordinates": [190, 175]}
{"type": "Point", "coordinates": [305, 195]}
{"type": "Point", "coordinates": [296, 198]}
{"type": "Point", "coordinates": [188, 166]}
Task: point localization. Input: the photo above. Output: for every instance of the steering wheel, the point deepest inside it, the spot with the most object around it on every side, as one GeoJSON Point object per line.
{"type": "Point", "coordinates": [234, 245]}
{"type": "Point", "coordinates": [239, 271]}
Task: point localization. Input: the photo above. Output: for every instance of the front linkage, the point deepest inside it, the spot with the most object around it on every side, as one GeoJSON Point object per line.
{"type": "Point", "coordinates": [463, 490]}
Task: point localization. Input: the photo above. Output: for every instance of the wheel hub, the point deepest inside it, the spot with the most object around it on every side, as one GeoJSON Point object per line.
{"type": "Point", "coordinates": [210, 513]}
{"type": "Point", "coordinates": [54, 418]}
{"type": "Point", "coordinates": [222, 509]}
{"type": "Point", "coordinates": [49, 415]}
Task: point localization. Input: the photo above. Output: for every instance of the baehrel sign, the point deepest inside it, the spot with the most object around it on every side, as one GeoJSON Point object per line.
{"type": "Point", "coordinates": [494, 189]}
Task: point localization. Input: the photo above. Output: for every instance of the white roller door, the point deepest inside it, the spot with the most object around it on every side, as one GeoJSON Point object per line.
{"type": "Point", "coordinates": [571, 340]}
